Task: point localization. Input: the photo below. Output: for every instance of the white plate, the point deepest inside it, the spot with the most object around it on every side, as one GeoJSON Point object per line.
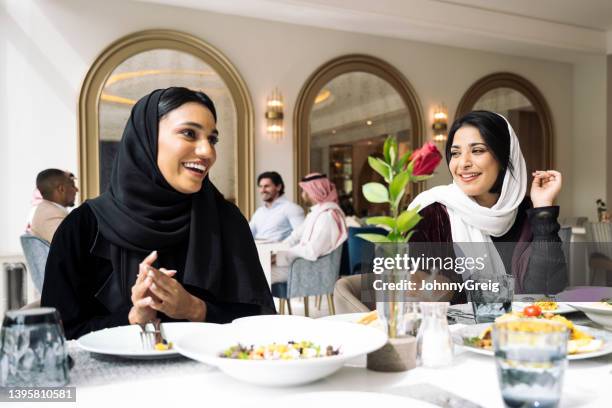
{"type": "Point", "coordinates": [597, 312]}
{"type": "Point", "coordinates": [354, 340]}
{"type": "Point", "coordinates": [477, 329]}
{"type": "Point", "coordinates": [351, 399]}
{"type": "Point", "coordinates": [124, 341]}
{"type": "Point", "coordinates": [562, 307]}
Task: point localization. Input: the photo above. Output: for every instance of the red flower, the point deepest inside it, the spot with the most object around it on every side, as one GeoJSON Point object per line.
{"type": "Point", "coordinates": [425, 160]}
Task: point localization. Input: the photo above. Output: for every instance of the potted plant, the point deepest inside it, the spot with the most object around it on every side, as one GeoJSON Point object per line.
{"type": "Point", "coordinates": [397, 172]}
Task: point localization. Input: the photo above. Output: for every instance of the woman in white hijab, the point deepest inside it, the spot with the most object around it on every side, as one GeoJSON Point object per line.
{"type": "Point", "coordinates": [487, 203]}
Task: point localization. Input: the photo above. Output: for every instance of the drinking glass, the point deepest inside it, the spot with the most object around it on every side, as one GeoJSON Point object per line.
{"type": "Point", "coordinates": [434, 342]}
{"type": "Point", "coordinates": [531, 356]}
{"type": "Point", "coordinates": [488, 304]}
{"type": "Point", "coordinates": [412, 318]}
{"type": "Point", "coordinates": [33, 350]}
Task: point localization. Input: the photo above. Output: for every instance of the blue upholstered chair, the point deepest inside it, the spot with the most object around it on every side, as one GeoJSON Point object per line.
{"type": "Point", "coordinates": [36, 251]}
{"type": "Point", "coordinates": [310, 278]}
{"type": "Point", "coordinates": [359, 249]}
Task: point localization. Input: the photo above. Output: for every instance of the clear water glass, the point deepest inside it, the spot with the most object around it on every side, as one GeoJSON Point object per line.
{"type": "Point", "coordinates": [412, 318]}
{"type": "Point", "coordinates": [434, 341]}
{"type": "Point", "coordinates": [487, 304]}
{"type": "Point", "coordinates": [33, 349]}
{"type": "Point", "coordinates": [531, 357]}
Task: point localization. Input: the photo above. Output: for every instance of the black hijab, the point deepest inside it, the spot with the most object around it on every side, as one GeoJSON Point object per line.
{"type": "Point", "coordinates": [141, 212]}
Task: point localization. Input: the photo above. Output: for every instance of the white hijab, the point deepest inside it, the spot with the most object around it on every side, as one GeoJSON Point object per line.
{"type": "Point", "coordinates": [471, 222]}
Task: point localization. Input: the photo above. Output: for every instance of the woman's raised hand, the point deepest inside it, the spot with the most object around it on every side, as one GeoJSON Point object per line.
{"type": "Point", "coordinates": [142, 298]}
{"type": "Point", "coordinates": [171, 298]}
{"type": "Point", "coordinates": [545, 187]}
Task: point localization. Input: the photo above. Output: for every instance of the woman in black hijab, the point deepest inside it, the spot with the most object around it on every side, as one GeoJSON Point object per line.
{"type": "Point", "coordinates": [162, 241]}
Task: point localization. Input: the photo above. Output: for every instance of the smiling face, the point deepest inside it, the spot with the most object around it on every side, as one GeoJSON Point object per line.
{"type": "Point", "coordinates": [186, 146]}
{"type": "Point", "coordinates": [473, 166]}
{"type": "Point", "coordinates": [268, 190]}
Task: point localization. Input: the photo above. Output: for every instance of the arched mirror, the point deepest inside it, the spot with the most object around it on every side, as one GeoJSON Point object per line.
{"type": "Point", "coordinates": [343, 115]}
{"type": "Point", "coordinates": [525, 108]}
{"type": "Point", "coordinates": [138, 64]}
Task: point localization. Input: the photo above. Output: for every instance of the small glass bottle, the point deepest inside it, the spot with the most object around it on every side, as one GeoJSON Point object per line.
{"type": "Point", "coordinates": [434, 342]}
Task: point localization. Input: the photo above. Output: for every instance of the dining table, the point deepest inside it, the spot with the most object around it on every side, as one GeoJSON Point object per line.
{"type": "Point", "coordinates": [265, 250]}
{"type": "Point", "coordinates": [470, 381]}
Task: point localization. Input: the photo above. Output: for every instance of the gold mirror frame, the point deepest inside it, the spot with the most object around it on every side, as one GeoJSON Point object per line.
{"type": "Point", "coordinates": [122, 49]}
{"type": "Point", "coordinates": [327, 72]}
{"type": "Point", "coordinates": [525, 87]}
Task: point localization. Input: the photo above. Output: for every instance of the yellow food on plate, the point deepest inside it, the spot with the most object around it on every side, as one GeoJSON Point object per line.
{"type": "Point", "coordinates": [547, 305]}
{"type": "Point", "coordinates": [583, 346]}
{"type": "Point", "coordinates": [578, 341]}
{"type": "Point", "coordinates": [163, 346]}
{"type": "Point", "coordinates": [369, 318]}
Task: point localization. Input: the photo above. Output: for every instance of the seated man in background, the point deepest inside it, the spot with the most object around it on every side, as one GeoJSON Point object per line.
{"type": "Point", "coordinates": [323, 231]}
{"type": "Point", "coordinates": [278, 217]}
{"type": "Point", "coordinates": [58, 192]}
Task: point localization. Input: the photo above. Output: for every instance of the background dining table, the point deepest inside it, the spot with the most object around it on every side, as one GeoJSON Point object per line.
{"type": "Point", "coordinates": [470, 381]}
{"type": "Point", "coordinates": [265, 249]}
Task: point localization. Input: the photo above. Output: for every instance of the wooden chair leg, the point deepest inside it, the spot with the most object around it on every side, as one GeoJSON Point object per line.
{"type": "Point", "coordinates": [330, 304]}
{"type": "Point", "coordinates": [289, 306]}
{"type": "Point", "coordinates": [306, 306]}
{"type": "Point", "coordinates": [281, 306]}
{"type": "Point", "coordinates": [318, 301]}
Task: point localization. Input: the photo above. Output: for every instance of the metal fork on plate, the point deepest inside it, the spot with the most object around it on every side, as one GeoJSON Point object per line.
{"type": "Point", "coordinates": [147, 337]}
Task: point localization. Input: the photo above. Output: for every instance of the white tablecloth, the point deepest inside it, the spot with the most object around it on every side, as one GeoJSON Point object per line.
{"type": "Point", "coordinates": [265, 251]}
{"type": "Point", "coordinates": [113, 382]}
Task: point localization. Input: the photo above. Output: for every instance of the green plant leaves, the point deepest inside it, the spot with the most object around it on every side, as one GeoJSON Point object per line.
{"type": "Point", "coordinates": [402, 161]}
{"type": "Point", "coordinates": [398, 184]}
{"type": "Point", "coordinates": [408, 220]}
{"type": "Point", "coordinates": [380, 167]}
{"type": "Point", "coordinates": [407, 239]}
{"type": "Point", "coordinates": [374, 238]}
{"type": "Point", "coordinates": [388, 221]}
{"type": "Point", "coordinates": [375, 193]}
{"type": "Point", "coordinates": [390, 150]}
{"type": "Point", "coordinates": [386, 148]}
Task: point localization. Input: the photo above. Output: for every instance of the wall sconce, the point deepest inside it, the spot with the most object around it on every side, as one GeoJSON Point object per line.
{"type": "Point", "coordinates": [440, 123]}
{"type": "Point", "coordinates": [274, 115]}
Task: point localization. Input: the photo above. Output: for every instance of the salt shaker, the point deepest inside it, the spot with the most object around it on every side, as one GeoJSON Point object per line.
{"type": "Point", "coordinates": [434, 342]}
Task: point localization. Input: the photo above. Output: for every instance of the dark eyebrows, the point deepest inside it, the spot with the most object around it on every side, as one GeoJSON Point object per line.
{"type": "Point", "coordinates": [198, 126]}
{"type": "Point", "coordinates": [470, 145]}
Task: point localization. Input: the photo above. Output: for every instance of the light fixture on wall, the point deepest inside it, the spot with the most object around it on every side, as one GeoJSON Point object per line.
{"type": "Point", "coordinates": [440, 123]}
{"type": "Point", "coordinates": [274, 115]}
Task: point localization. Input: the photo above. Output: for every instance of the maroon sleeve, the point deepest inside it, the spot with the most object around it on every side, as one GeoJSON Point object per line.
{"type": "Point", "coordinates": [435, 228]}
{"type": "Point", "coordinates": [435, 225]}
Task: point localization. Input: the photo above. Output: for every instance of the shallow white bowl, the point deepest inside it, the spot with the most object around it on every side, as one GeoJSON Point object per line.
{"type": "Point", "coordinates": [205, 344]}
{"type": "Point", "coordinates": [597, 312]}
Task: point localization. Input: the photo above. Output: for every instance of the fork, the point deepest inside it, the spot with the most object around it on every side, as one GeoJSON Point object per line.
{"type": "Point", "coordinates": [147, 338]}
{"type": "Point", "coordinates": [159, 334]}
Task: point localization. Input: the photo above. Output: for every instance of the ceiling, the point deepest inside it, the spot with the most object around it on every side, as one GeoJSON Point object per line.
{"type": "Point", "coordinates": [594, 14]}
{"type": "Point", "coordinates": [563, 30]}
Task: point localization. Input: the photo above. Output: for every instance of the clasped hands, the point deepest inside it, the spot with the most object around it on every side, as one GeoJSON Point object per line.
{"type": "Point", "coordinates": [156, 290]}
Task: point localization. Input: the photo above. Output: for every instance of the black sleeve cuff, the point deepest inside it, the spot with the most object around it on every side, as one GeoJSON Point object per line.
{"type": "Point", "coordinates": [543, 221]}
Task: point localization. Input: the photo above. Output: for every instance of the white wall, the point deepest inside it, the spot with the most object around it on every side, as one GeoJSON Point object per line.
{"type": "Point", "coordinates": [49, 45]}
{"type": "Point", "coordinates": [589, 135]}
